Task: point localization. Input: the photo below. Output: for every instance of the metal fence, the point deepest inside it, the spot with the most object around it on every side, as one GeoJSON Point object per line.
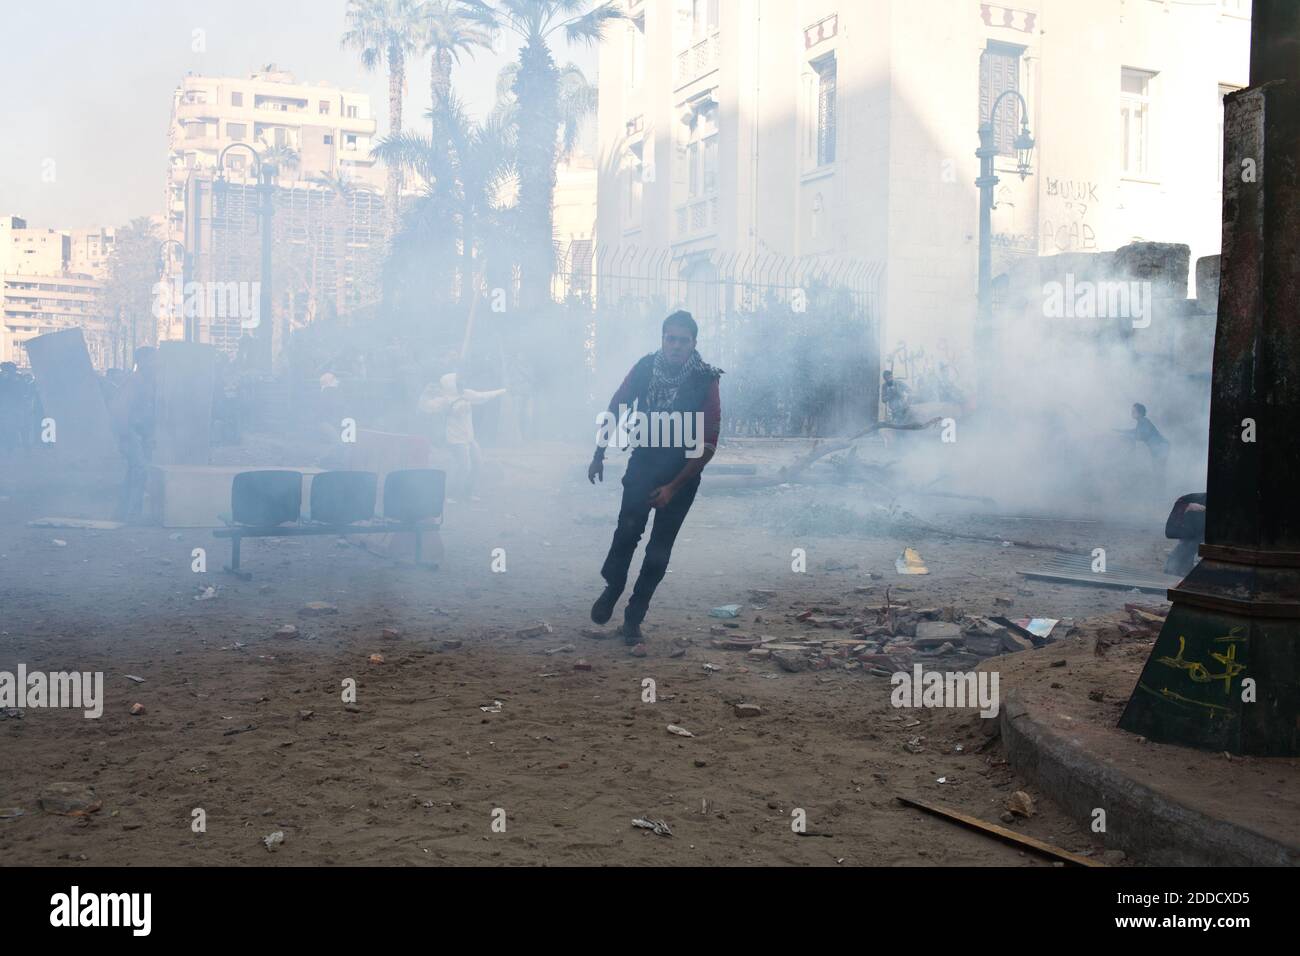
{"type": "Point", "coordinates": [799, 336]}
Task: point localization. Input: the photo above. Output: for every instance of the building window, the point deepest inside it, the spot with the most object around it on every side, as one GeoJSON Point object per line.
{"type": "Point", "coordinates": [636, 54]}
{"type": "Point", "coordinates": [329, 140]}
{"type": "Point", "coordinates": [324, 107]}
{"type": "Point", "coordinates": [1135, 122]}
{"type": "Point", "coordinates": [704, 19]}
{"type": "Point", "coordinates": [826, 83]}
{"type": "Point", "coordinates": [1000, 72]}
{"type": "Point", "coordinates": [236, 99]}
{"type": "Point", "coordinates": [352, 112]}
{"type": "Point", "coordinates": [237, 131]}
{"type": "Point", "coordinates": [350, 141]}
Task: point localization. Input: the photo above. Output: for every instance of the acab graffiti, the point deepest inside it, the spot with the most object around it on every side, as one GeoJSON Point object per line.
{"type": "Point", "coordinates": [1065, 224]}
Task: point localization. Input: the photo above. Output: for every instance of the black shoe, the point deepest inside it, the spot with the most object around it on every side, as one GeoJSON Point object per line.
{"type": "Point", "coordinates": [603, 609]}
{"type": "Point", "coordinates": [631, 632]}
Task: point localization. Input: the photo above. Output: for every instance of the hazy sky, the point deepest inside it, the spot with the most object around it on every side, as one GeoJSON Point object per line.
{"type": "Point", "coordinates": [88, 85]}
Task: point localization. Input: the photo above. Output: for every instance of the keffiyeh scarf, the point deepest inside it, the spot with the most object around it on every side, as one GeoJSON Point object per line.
{"type": "Point", "coordinates": [665, 381]}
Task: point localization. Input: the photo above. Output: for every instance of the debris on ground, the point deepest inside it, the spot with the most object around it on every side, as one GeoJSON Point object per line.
{"type": "Point", "coordinates": [562, 649]}
{"type": "Point", "coordinates": [540, 629]}
{"type": "Point", "coordinates": [658, 827]}
{"type": "Point", "coordinates": [748, 710]}
{"type": "Point", "coordinates": [69, 800]}
{"type": "Point", "coordinates": [286, 631]}
{"type": "Point", "coordinates": [317, 609]}
{"type": "Point", "coordinates": [376, 658]}
{"type": "Point", "coordinates": [679, 731]}
{"type": "Point", "coordinates": [79, 523]}
{"type": "Point", "coordinates": [909, 562]}
{"type": "Point", "coordinates": [1020, 804]}
{"type": "Point", "coordinates": [207, 594]}
{"type": "Point", "coordinates": [137, 710]}
{"type": "Point", "coordinates": [492, 708]}
{"type": "Point", "coordinates": [273, 840]}
{"type": "Point", "coordinates": [726, 610]}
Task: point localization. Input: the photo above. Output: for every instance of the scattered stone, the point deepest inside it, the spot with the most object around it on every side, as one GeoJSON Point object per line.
{"type": "Point", "coordinates": [287, 632]}
{"type": "Point", "coordinates": [700, 762]}
{"type": "Point", "coordinates": [562, 649]}
{"type": "Point", "coordinates": [1003, 601]}
{"type": "Point", "coordinates": [1056, 686]}
{"type": "Point", "coordinates": [376, 658]}
{"type": "Point", "coordinates": [207, 594]}
{"type": "Point", "coordinates": [581, 665]}
{"type": "Point", "coordinates": [317, 609]}
{"type": "Point", "coordinates": [639, 650]}
{"type": "Point", "coordinates": [306, 714]}
{"type": "Point", "coordinates": [273, 840]}
{"type": "Point", "coordinates": [1097, 696]}
{"type": "Point", "coordinates": [134, 679]}
{"type": "Point", "coordinates": [680, 652]}
{"type": "Point", "coordinates": [1058, 663]}
{"type": "Point", "coordinates": [352, 708]}
{"type": "Point", "coordinates": [679, 731]}
{"type": "Point", "coordinates": [69, 800]}
{"type": "Point", "coordinates": [1021, 804]}
{"type": "Point", "coordinates": [540, 629]}
{"type": "Point", "coordinates": [791, 661]}
{"type": "Point", "coordinates": [1113, 857]}
{"type": "Point", "coordinates": [1007, 817]}
{"type": "Point", "coordinates": [748, 710]}
{"type": "Point", "coordinates": [492, 708]}
{"type": "Point", "coordinates": [594, 634]}
{"type": "Point", "coordinates": [1012, 642]}
{"type": "Point", "coordinates": [137, 710]}
{"type": "Point", "coordinates": [914, 745]}
{"type": "Point", "coordinates": [59, 542]}
{"type": "Point", "coordinates": [391, 634]}
{"type": "Point", "coordinates": [759, 654]}
{"type": "Point", "coordinates": [711, 668]}
{"type": "Point", "coordinates": [454, 644]}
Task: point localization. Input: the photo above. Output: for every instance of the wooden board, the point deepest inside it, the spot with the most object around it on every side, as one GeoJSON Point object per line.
{"type": "Point", "coordinates": [1000, 833]}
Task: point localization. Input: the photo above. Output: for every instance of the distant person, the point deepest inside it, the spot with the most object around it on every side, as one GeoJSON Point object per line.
{"type": "Point", "coordinates": [458, 404]}
{"type": "Point", "coordinates": [662, 479]}
{"type": "Point", "coordinates": [896, 397]}
{"type": "Point", "coordinates": [1146, 433]}
{"type": "Point", "coordinates": [133, 420]}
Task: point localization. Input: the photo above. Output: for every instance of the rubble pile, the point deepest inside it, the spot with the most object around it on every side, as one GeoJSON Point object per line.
{"type": "Point", "coordinates": [884, 638]}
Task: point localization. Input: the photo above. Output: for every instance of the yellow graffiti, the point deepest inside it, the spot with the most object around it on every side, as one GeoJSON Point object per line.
{"type": "Point", "coordinates": [1169, 695]}
{"type": "Point", "coordinates": [1200, 673]}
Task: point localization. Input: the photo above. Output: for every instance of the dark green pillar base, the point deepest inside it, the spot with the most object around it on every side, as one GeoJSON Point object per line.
{"type": "Point", "coordinates": [1192, 687]}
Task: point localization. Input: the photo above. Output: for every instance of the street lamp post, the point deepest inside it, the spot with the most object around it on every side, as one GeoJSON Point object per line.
{"type": "Point", "coordinates": [266, 192]}
{"type": "Point", "coordinates": [191, 333]}
{"type": "Point", "coordinates": [1024, 145]}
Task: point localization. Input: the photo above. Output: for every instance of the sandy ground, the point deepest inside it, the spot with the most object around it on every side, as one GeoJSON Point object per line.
{"type": "Point", "coordinates": [251, 728]}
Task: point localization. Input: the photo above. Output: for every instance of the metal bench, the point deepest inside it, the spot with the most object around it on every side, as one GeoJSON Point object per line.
{"type": "Point", "coordinates": [264, 503]}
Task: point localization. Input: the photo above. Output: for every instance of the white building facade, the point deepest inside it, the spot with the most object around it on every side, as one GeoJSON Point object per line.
{"type": "Point", "coordinates": [845, 129]}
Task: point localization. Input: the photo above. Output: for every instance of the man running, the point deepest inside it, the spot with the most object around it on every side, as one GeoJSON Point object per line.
{"type": "Point", "coordinates": [665, 478]}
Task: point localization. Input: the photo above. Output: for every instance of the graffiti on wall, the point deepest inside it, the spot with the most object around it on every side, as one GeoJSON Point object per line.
{"type": "Point", "coordinates": [1067, 205]}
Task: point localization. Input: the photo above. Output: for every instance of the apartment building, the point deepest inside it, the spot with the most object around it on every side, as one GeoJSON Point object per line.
{"type": "Point", "coordinates": [319, 139]}
{"type": "Point", "coordinates": [848, 129]}
{"type": "Point", "coordinates": [49, 281]}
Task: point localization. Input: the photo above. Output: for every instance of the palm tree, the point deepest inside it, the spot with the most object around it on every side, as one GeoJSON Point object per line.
{"type": "Point", "coordinates": [387, 31]}
{"type": "Point", "coordinates": [453, 28]}
{"type": "Point", "coordinates": [280, 158]}
{"type": "Point", "coordinates": [578, 101]}
{"type": "Point", "coordinates": [537, 90]}
{"type": "Point", "coordinates": [463, 184]}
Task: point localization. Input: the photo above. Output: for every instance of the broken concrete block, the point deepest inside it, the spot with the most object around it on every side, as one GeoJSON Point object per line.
{"type": "Point", "coordinates": [933, 633]}
{"type": "Point", "coordinates": [748, 710]}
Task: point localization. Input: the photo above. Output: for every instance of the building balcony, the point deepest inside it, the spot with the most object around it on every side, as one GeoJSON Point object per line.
{"type": "Point", "coordinates": [697, 60]}
{"type": "Point", "coordinates": [696, 218]}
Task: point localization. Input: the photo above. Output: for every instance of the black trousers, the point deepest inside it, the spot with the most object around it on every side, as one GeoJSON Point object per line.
{"type": "Point", "coordinates": [632, 517]}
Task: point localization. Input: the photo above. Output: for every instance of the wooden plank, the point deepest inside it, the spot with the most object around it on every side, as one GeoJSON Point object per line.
{"type": "Point", "coordinates": [1000, 833]}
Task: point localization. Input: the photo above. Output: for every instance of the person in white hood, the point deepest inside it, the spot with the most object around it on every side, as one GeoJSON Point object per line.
{"type": "Point", "coordinates": [458, 403]}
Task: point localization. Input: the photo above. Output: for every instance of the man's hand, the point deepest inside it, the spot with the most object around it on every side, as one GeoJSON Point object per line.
{"type": "Point", "coordinates": [596, 470]}
{"type": "Point", "coordinates": [660, 497]}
